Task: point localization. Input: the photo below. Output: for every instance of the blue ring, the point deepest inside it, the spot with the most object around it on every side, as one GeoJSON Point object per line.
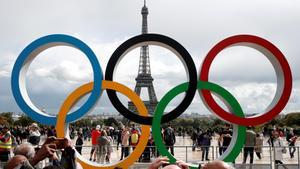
{"type": "Point", "coordinates": [37, 46]}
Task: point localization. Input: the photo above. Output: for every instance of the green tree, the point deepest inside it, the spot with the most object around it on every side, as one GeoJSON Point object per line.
{"type": "Point", "coordinates": [83, 122]}
{"type": "Point", "coordinates": [292, 120]}
{"type": "Point", "coordinates": [8, 116]}
{"type": "Point", "coordinates": [110, 122]}
{"type": "Point", "coordinates": [24, 120]}
{"type": "Point", "coordinates": [97, 122]}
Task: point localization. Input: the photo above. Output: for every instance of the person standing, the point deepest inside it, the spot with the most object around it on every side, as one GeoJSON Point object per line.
{"type": "Point", "coordinates": [194, 139]}
{"type": "Point", "coordinates": [226, 137]}
{"type": "Point", "coordinates": [15, 132]}
{"type": "Point", "coordinates": [95, 134]}
{"type": "Point", "coordinates": [109, 148]}
{"type": "Point", "coordinates": [102, 147]}
{"type": "Point", "coordinates": [169, 138]}
{"type": "Point", "coordinates": [51, 131]}
{"type": "Point", "coordinates": [249, 145]}
{"type": "Point", "coordinates": [125, 142]}
{"type": "Point", "coordinates": [278, 150]}
{"type": "Point", "coordinates": [119, 138]}
{"type": "Point", "coordinates": [258, 145]}
{"type": "Point", "coordinates": [5, 145]}
{"type": "Point", "coordinates": [220, 143]}
{"type": "Point", "coordinates": [292, 141]}
{"type": "Point", "coordinates": [79, 143]}
{"type": "Point", "coordinates": [134, 138]}
{"type": "Point", "coordinates": [34, 135]}
{"type": "Point", "coordinates": [206, 141]}
{"type": "Point", "coordinates": [89, 134]}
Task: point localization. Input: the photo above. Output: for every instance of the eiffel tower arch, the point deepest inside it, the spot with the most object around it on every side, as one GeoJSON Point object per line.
{"type": "Point", "coordinates": [144, 78]}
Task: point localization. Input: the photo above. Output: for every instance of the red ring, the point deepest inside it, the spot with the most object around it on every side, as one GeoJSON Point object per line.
{"type": "Point", "coordinates": [284, 66]}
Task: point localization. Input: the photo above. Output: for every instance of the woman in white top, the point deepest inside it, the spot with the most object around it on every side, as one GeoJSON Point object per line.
{"type": "Point", "coordinates": [278, 150]}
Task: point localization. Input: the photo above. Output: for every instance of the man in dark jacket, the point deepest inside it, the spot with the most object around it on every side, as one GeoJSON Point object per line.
{"type": "Point", "coordinates": [169, 138]}
{"type": "Point", "coordinates": [206, 141]}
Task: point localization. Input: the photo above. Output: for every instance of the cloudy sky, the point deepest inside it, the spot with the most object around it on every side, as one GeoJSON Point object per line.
{"type": "Point", "coordinates": [105, 24]}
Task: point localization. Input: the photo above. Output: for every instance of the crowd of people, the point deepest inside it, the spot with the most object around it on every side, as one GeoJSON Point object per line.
{"type": "Point", "coordinates": [29, 154]}
{"type": "Point", "coordinates": [103, 139]}
{"type": "Point", "coordinates": [254, 143]}
{"type": "Point", "coordinates": [127, 138]}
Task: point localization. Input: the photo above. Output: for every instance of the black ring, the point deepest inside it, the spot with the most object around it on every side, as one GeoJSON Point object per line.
{"type": "Point", "coordinates": [166, 42]}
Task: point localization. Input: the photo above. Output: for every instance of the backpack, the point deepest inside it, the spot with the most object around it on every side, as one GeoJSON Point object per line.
{"type": "Point", "coordinates": [169, 133]}
{"type": "Point", "coordinates": [134, 138]}
{"type": "Point", "coordinates": [102, 141]}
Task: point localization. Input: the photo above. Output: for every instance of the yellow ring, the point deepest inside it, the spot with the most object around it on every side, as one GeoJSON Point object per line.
{"type": "Point", "coordinates": [83, 90]}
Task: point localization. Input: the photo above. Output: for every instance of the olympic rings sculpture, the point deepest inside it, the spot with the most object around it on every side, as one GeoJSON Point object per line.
{"type": "Point", "coordinates": [205, 88]}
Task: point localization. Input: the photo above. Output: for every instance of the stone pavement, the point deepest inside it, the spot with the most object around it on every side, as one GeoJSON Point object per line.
{"type": "Point", "coordinates": [184, 152]}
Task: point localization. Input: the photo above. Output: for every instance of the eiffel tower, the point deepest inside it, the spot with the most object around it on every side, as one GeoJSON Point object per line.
{"type": "Point", "coordinates": [144, 78]}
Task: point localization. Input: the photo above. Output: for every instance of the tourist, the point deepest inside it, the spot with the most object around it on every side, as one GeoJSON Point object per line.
{"type": "Point", "coordinates": [270, 141]}
{"type": "Point", "coordinates": [194, 139]}
{"type": "Point", "coordinates": [226, 135]}
{"type": "Point", "coordinates": [18, 162]}
{"type": "Point", "coordinates": [206, 141]}
{"type": "Point", "coordinates": [134, 138]}
{"type": "Point", "coordinates": [34, 135]}
{"type": "Point", "coordinates": [199, 139]}
{"type": "Point", "coordinates": [279, 149]}
{"type": "Point", "coordinates": [84, 135]}
{"type": "Point", "coordinates": [79, 143]}
{"type": "Point", "coordinates": [25, 156]}
{"type": "Point", "coordinates": [249, 145]}
{"type": "Point", "coordinates": [102, 147]}
{"type": "Point", "coordinates": [5, 145]}
{"type": "Point", "coordinates": [169, 138]}
{"type": "Point", "coordinates": [149, 150]}
{"type": "Point", "coordinates": [51, 132]}
{"type": "Point", "coordinates": [119, 138]}
{"type": "Point", "coordinates": [125, 142]}
{"type": "Point", "coordinates": [16, 133]}
{"type": "Point", "coordinates": [109, 148]}
{"type": "Point", "coordinates": [95, 134]}
{"type": "Point", "coordinates": [25, 149]}
{"type": "Point", "coordinates": [292, 138]}
{"type": "Point", "coordinates": [220, 143]}
{"type": "Point", "coordinates": [258, 145]}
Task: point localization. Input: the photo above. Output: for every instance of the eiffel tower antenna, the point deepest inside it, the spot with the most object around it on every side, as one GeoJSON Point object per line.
{"type": "Point", "coordinates": [144, 78]}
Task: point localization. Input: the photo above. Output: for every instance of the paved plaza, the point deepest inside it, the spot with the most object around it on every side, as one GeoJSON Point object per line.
{"type": "Point", "coordinates": [183, 151]}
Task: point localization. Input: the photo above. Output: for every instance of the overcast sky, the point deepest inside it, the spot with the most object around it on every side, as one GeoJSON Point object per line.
{"type": "Point", "coordinates": [105, 24]}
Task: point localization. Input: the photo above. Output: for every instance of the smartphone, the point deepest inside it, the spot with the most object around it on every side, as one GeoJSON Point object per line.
{"type": "Point", "coordinates": [60, 143]}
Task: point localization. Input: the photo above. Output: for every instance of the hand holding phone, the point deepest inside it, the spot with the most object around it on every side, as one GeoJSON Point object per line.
{"type": "Point", "coordinates": [61, 143]}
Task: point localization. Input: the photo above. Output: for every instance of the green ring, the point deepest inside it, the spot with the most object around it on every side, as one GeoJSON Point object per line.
{"type": "Point", "coordinates": [239, 132]}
